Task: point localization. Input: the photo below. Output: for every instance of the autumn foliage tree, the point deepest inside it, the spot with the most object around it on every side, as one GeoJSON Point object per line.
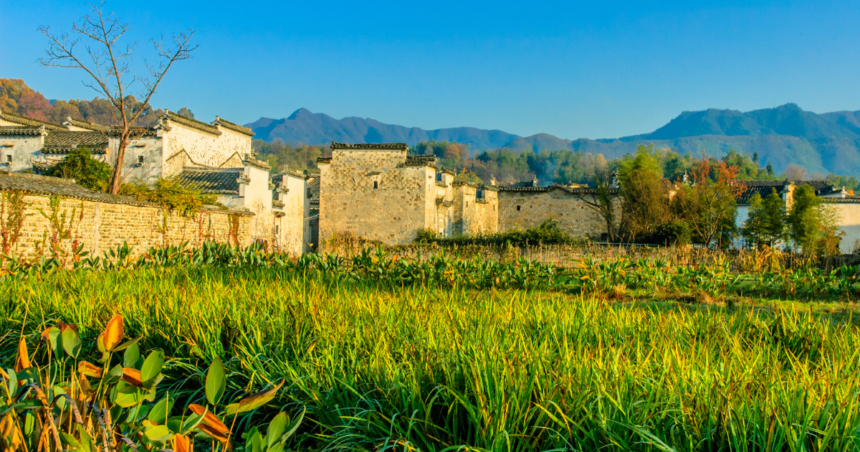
{"type": "Point", "coordinates": [707, 203]}
{"type": "Point", "coordinates": [106, 61]}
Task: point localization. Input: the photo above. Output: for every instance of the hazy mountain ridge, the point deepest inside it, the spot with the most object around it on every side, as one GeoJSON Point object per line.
{"type": "Point", "coordinates": [317, 128]}
{"type": "Point", "coordinates": [825, 143]}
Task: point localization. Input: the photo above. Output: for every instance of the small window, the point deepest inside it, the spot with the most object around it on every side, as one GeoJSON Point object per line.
{"type": "Point", "coordinates": [375, 185]}
{"type": "Point", "coordinates": [140, 159]}
{"type": "Point", "coordinates": [518, 208]}
{"type": "Point", "coordinates": [9, 158]}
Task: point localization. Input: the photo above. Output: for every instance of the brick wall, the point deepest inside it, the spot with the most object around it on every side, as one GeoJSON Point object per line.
{"type": "Point", "coordinates": [61, 223]}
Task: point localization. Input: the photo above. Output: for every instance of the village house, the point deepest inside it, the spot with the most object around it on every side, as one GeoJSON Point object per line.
{"type": "Point", "coordinates": [379, 192]}
{"type": "Point", "coordinates": [216, 158]}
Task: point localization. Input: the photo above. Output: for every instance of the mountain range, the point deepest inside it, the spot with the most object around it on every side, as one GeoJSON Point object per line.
{"type": "Point", "coordinates": [824, 143]}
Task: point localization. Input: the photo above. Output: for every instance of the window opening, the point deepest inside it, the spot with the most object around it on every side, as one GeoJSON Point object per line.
{"type": "Point", "coordinates": [375, 185]}
{"type": "Point", "coordinates": [518, 208]}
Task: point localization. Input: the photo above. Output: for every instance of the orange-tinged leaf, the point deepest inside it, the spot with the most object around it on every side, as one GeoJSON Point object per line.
{"type": "Point", "coordinates": [23, 361]}
{"type": "Point", "coordinates": [211, 420]}
{"type": "Point", "coordinates": [132, 377]}
{"type": "Point", "coordinates": [90, 370]}
{"type": "Point", "coordinates": [253, 402]}
{"type": "Point", "coordinates": [181, 443]}
{"type": "Point", "coordinates": [213, 433]}
{"type": "Point", "coordinates": [113, 333]}
{"type": "Point", "coordinates": [9, 432]}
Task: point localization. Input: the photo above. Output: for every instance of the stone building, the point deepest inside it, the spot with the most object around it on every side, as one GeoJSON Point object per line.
{"type": "Point", "coordinates": [525, 205]}
{"type": "Point", "coordinates": [379, 192]}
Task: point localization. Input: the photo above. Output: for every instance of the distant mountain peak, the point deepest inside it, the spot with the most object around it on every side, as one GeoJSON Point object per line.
{"type": "Point", "coordinates": [301, 112]}
{"type": "Point", "coordinates": [304, 126]}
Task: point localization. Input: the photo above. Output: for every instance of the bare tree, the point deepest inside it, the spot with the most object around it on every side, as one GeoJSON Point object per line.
{"type": "Point", "coordinates": [602, 200]}
{"type": "Point", "coordinates": [106, 61]}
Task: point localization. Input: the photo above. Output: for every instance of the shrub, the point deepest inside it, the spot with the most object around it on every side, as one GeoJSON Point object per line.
{"type": "Point", "coordinates": [170, 194]}
{"type": "Point", "coordinates": [84, 169]}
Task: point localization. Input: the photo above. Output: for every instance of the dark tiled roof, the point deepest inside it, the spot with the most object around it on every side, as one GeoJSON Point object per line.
{"type": "Point", "coordinates": [193, 123]}
{"type": "Point", "coordinates": [136, 132]}
{"type": "Point", "coordinates": [387, 146]}
{"type": "Point", "coordinates": [215, 181]}
{"type": "Point", "coordinates": [522, 184]}
{"type": "Point", "coordinates": [25, 121]}
{"type": "Point", "coordinates": [45, 185]}
{"type": "Point", "coordinates": [821, 187]}
{"type": "Point", "coordinates": [847, 200]}
{"type": "Point", "coordinates": [63, 142]}
{"type": "Point", "coordinates": [70, 121]}
{"type": "Point", "coordinates": [20, 131]}
{"type": "Point", "coordinates": [323, 159]}
{"type": "Point", "coordinates": [419, 160]}
{"type": "Point", "coordinates": [549, 188]}
{"type": "Point", "coordinates": [763, 188]}
{"type": "Point", "coordinates": [234, 127]}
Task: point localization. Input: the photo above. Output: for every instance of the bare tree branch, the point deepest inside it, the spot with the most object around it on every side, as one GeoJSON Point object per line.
{"type": "Point", "coordinates": [109, 67]}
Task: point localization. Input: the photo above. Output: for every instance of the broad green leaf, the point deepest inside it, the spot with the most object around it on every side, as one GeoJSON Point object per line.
{"type": "Point", "coordinates": [127, 344]}
{"type": "Point", "coordinates": [159, 433]}
{"type": "Point", "coordinates": [276, 429]}
{"type": "Point", "coordinates": [71, 342]}
{"type": "Point", "coordinates": [12, 383]}
{"type": "Point", "coordinates": [255, 441]}
{"type": "Point", "coordinates": [276, 448]}
{"type": "Point", "coordinates": [152, 365]}
{"type": "Point", "coordinates": [129, 358]}
{"type": "Point", "coordinates": [69, 440]}
{"type": "Point", "coordinates": [294, 427]}
{"type": "Point", "coordinates": [128, 395]}
{"type": "Point", "coordinates": [86, 442]}
{"type": "Point", "coordinates": [161, 410]}
{"type": "Point", "coordinates": [215, 381]}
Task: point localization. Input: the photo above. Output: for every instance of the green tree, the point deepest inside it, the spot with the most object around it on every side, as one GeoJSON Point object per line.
{"type": "Point", "coordinates": [644, 197]}
{"type": "Point", "coordinates": [811, 225]}
{"type": "Point", "coordinates": [84, 169]}
{"type": "Point", "coordinates": [766, 222]}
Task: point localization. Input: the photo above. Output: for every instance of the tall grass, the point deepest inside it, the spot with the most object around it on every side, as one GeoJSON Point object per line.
{"type": "Point", "coordinates": [382, 367]}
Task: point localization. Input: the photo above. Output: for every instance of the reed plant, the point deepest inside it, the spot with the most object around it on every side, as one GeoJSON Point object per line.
{"type": "Point", "coordinates": [383, 365]}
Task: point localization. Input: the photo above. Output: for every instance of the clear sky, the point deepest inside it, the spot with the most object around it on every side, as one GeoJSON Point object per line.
{"type": "Point", "coordinates": [575, 69]}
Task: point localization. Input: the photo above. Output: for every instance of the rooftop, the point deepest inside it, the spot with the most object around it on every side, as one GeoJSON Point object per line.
{"type": "Point", "coordinates": [371, 146]}
{"type": "Point", "coordinates": [18, 131]}
{"type": "Point", "coordinates": [234, 127]}
{"type": "Point", "coordinates": [64, 142]}
{"type": "Point", "coordinates": [44, 185]}
{"type": "Point", "coordinates": [25, 121]}
{"type": "Point", "coordinates": [222, 181]}
{"type": "Point", "coordinates": [193, 123]}
{"type": "Point", "coordinates": [70, 121]}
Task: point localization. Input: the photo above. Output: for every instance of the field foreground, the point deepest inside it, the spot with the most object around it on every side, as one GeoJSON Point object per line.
{"type": "Point", "coordinates": [425, 368]}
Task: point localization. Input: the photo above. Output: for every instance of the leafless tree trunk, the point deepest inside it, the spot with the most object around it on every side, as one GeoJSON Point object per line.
{"type": "Point", "coordinates": [602, 201]}
{"type": "Point", "coordinates": [106, 62]}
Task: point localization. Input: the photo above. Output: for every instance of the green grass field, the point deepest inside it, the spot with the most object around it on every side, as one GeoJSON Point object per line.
{"type": "Point", "coordinates": [382, 366]}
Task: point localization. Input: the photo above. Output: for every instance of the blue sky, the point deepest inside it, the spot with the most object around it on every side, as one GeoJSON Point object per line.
{"type": "Point", "coordinates": [596, 69]}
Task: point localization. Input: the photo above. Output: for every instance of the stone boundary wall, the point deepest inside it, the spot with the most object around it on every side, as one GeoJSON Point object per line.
{"type": "Point", "coordinates": [54, 225]}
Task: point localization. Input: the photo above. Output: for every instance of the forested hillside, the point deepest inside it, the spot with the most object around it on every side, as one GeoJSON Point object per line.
{"type": "Point", "coordinates": [16, 97]}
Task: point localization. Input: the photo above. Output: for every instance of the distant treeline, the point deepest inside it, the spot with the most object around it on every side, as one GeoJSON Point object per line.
{"type": "Point", "coordinates": [549, 167]}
